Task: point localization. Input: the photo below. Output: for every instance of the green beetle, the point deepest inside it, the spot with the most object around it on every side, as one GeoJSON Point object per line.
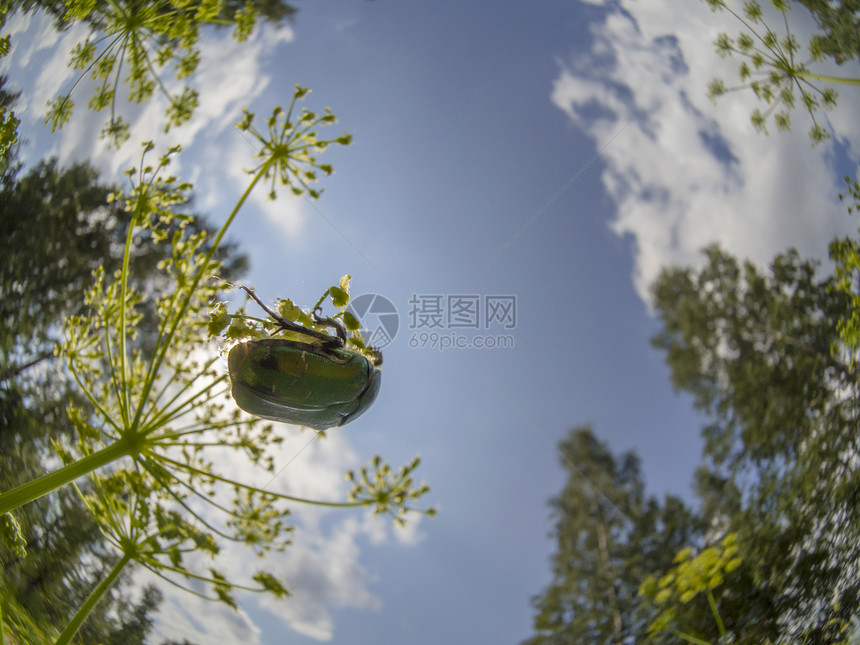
{"type": "Point", "coordinates": [314, 381]}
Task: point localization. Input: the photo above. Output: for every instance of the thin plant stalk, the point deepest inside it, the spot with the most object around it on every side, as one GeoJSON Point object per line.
{"type": "Point", "coordinates": [829, 79]}
{"type": "Point", "coordinates": [81, 615]}
{"type": "Point", "coordinates": [690, 638]}
{"type": "Point", "coordinates": [43, 485]}
{"type": "Point", "coordinates": [713, 604]}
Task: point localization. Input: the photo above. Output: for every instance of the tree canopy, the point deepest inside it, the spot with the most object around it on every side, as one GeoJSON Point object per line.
{"type": "Point", "coordinates": [610, 535]}
{"type": "Point", "coordinates": [840, 27]}
{"type": "Point", "coordinates": [776, 526]}
{"type": "Point", "coordinates": [754, 349]}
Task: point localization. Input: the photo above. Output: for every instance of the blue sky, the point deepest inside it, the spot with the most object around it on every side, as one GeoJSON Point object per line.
{"type": "Point", "coordinates": [477, 129]}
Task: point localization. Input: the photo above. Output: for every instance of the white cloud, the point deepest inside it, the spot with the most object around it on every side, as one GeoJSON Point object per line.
{"type": "Point", "coordinates": [24, 43]}
{"type": "Point", "coordinates": [182, 615]}
{"type": "Point", "coordinates": [54, 74]}
{"type": "Point", "coordinates": [411, 534]}
{"type": "Point", "coordinates": [321, 569]}
{"type": "Point", "coordinates": [323, 572]}
{"type": "Point", "coordinates": [682, 171]}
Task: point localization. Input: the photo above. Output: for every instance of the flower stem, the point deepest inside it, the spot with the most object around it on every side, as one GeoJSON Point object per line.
{"type": "Point", "coordinates": [10, 500]}
{"type": "Point", "coordinates": [254, 489]}
{"type": "Point", "coordinates": [690, 638]}
{"type": "Point", "coordinates": [85, 609]}
{"type": "Point", "coordinates": [829, 79]}
{"type": "Point", "coordinates": [713, 603]}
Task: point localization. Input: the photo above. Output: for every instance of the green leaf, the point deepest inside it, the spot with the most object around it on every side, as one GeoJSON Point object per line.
{"type": "Point", "coordinates": [339, 297]}
{"type": "Point", "coordinates": [648, 588]}
{"type": "Point", "coordinates": [12, 536]}
{"type": "Point", "coordinates": [271, 584]}
{"type": "Point", "coordinates": [662, 596]}
{"type": "Point", "coordinates": [684, 554]}
{"type": "Point", "coordinates": [351, 322]}
{"type": "Point", "coordinates": [289, 310]}
{"type": "Point", "coordinates": [219, 319]}
{"type": "Point", "coordinates": [732, 564]}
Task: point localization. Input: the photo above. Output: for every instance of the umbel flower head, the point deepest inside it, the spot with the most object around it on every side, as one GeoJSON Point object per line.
{"type": "Point", "coordinates": [773, 67]}
{"type": "Point", "coordinates": [145, 38]}
{"type": "Point", "coordinates": [290, 145]}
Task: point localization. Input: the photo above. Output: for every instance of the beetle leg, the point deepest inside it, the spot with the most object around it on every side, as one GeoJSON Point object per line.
{"type": "Point", "coordinates": [375, 355]}
{"type": "Point", "coordinates": [286, 325]}
{"type": "Point", "coordinates": [330, 322]}
{"type": "Point", "coordinates": [253, 295]}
